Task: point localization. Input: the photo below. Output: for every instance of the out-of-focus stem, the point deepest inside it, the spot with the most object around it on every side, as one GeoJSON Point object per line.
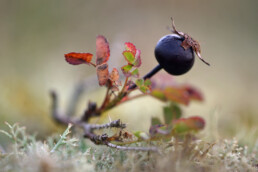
{"type": "Point", "coordinates": [126, 80]}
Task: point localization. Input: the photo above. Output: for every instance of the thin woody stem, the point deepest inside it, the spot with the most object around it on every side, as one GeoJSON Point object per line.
{"type": "Point", "coordinates": [126, 81]}
{"type": "Point", "coordinates": [106, 100]}
{"type": "Point", "coordinates": [132, 98]}
{"type": "Point", "coordinates": [93, 64]}
{"type": "Point", "coordinates": [117, 100]}
{"type": "Point", "coordinates": [154, 149]}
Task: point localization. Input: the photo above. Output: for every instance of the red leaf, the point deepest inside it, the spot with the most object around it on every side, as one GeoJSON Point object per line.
{"type": "Point", "coordinates": [193, 93]}
{"type": "Point", "coordinates": [102, 50]}
{"type": "Point", "coordinates": [180, 93]}
{"type": "Point", "coordinates": [78, 58]}
{"type": "Point", "coordinates": [103, 74]}
{"type": "Point", "coordinates": [130, 47]}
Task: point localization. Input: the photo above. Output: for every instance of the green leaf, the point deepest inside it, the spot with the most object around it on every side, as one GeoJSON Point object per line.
{"type": "Point", "coordinates": [147, 82]}
{"type": "Point", "coordinates": [171, 112]}
{"type": "Point", "coordinates": [143, 89]}
{"type": "Point", "coordinates": [127, 68]}
{"type": "Point", "coordinates": [181, 128]}
{"type": "Point", "coordinates": [155, 121]}
{"type": "Point", "coordinates": [129, 57]}
{"type": "Point", "coordinates": [159, 94]}
{"type": "Point", "coordinates": [135, 73]}
{"type": "Point", "coordinates": [139, 82]}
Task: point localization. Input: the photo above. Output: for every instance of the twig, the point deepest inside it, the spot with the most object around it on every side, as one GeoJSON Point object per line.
{"type": "Point", "coordinates": [154, 149]}
{"type": "Point", "coordinates": [80, 87]}
{"type": "Point", "coordinates": [132, 98]}
{"type": "Point", "coordinates": [106, 100]}
{"type": "Point", "coordinates": [125, 84]}
{"type": "Point", "coordinates": [89, 128]}
{"type": "Point", "coordinates": [112, 124]}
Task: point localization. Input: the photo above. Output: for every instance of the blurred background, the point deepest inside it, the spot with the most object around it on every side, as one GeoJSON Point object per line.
{"type": "Point", "coordinates": [35, 35]}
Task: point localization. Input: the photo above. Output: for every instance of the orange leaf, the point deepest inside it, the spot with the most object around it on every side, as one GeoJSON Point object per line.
{"type": "Point", "coordinates": [176, 95]}
{"type": "Point", "coordinates": [194, 123]}
{"type": "Point", "coordinates": [102, 50]}
{"type": "Point", "coordinates": [103, 74]}
{"type": "Point", "coordinates": [173, 94]}
{"type": "Point", "coordinates": [78, 58]}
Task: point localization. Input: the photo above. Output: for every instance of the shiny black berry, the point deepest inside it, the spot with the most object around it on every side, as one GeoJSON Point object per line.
{"type": "Point", "coordinates": [172, 57]}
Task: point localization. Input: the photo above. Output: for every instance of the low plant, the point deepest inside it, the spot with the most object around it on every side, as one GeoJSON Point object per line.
{"type": "Point", "coordinates": [175, 54]}
{"type": "Point", "coordinates": [171, 143]}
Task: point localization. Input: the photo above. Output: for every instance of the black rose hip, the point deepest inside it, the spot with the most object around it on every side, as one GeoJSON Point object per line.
{"type": "Point", "coordinates": [172, 57]}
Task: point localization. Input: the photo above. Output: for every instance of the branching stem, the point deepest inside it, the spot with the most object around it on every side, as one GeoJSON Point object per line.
{"type": "Point", "coordinates": [89, 129]}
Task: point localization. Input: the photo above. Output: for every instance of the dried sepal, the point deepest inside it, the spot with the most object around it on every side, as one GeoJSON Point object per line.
{"type": "Point", "coordinates": [78, 58]}
{"type": "Point", "coordinates": [189, 42]}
